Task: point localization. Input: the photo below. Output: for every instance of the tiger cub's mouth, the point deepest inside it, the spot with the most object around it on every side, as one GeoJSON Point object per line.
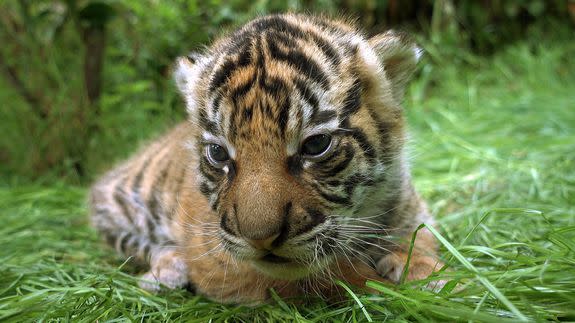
{"type": "Point", "coordinates": [297, 257]}
{"type": "Point", "coordinates": [275, 259]}
{"type": "Point", "coordinates": [289, 269]}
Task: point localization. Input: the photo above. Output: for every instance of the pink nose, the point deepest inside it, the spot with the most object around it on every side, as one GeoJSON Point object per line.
{"type": "Point", "coordinates": [263, 244]}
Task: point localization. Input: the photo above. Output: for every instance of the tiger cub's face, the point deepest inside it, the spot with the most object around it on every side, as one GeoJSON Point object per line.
{"type": "Point", "coordinates": [298, 120]}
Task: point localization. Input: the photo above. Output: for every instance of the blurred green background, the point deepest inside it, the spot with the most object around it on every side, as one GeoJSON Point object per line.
{"type": "Point", "coordinates": [82, 83]}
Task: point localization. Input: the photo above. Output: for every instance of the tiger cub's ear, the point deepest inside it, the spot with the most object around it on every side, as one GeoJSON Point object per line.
{"type": "Point", "coordinates": [399, 56]}
{"type": "Point", "coordinates": [186, 73]}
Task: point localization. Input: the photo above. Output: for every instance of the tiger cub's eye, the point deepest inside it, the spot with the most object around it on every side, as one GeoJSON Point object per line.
{"type": "Point", "coordinates": [217, 154]}
{"type": "Point", "coordinates": [315, 146]}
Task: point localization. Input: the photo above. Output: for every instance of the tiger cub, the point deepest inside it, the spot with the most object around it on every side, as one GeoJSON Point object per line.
{"type": "Point", "coordinates": [289, 174]}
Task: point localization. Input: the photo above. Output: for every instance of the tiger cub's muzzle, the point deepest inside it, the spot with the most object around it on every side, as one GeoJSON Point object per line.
{"type": "Point", "coordinates": [295, 245]}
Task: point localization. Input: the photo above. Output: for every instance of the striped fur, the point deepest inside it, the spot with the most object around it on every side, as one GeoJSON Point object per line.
{"type": "Point", "coordinates": [272, 216]}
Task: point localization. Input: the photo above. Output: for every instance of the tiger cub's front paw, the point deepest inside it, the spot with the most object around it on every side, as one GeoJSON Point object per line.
{"type": "Point", "coordinates": [392, 265]}
{"type": "Point", "coordinates": [169, 271]}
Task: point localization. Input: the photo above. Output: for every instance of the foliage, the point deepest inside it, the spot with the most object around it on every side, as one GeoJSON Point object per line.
{"type": "Point", "coordinates": [493, 143]}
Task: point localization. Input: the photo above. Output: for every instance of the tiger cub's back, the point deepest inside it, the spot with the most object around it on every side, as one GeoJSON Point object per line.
{"type": "Point", "coordinates": [143, 193]}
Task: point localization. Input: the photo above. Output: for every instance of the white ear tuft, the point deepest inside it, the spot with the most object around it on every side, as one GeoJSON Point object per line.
{"type": "Point", "coordinates": [399, 56]}
{"type": "Point", "coordinates": [186, 73]}
{"type": "Point", "coordinates": [183, 71]}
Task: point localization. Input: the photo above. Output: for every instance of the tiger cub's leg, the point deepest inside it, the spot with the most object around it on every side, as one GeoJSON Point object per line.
{"type": "Point", "coordinates": [424, 259]}
{"type": "Point", "coordinates": [135, 230]}
{"type": "Point", "coordinates": [167, 268]}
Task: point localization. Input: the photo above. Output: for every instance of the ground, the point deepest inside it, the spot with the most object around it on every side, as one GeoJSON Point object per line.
{"type": "Point", "coordinates": [493, 151]}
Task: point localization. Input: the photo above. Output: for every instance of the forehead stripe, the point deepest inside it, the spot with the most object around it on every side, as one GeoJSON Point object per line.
{"type": "Point", "coordinates": [205, 123]}
{"type": "Point", "coordinates": [299, 61]}
{"type": "Point", "coordinates": [240, 91]}
{"type": "Point", "coordinates": [216, 103]}
{"type": "Point", "coordinates": [307, 94]}
{"type": "Point", "coordinates": [329, 51]}
{"type": "Point", "coordinates": [352, 100]}
{"type": "Point", "coordinates": [273, 85]}
{"type": "Point", "coordinates": [284, 27]}
{"type": "Point", "coordinates": [279, 24]}
{"type": "Point", "coordinates": [283, 116]}
{"type": "Point", "coordinates": [322, 117]}
{"type": "Point", "coordinates": [222, 74]}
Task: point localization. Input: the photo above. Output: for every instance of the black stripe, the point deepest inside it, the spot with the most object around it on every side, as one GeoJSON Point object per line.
{"type": "Point", "coordinates": [225, 225]}
{"type": "Point", "coordinates": [337, 199]}
{"type": "Point", "coordinates": [363, 142]}
{"type": "Point", "coordinates": [260, 55]}
{"type": "Point", "coordinates": [283, 116]}
{"type": "Point", "coordinates": [123, 244]}
{"type": "Point", "coordinates": [222, 74]}
{"type": "Point", "coordinates": [332, 182]}
{"type": "Point", "coordinates": [155, 207]}
{"type": "Point", "coordinates": [276, 22]}
{"type": "Point", "coordinates": [322, 117]}
{"type": "Point", "coordinates": [214, 205]}
{"type": "Point", "coordinates": [333, 170]}
{"type": "Point", "coordinates": [245, 35]}
{"type": "Point", "coordinates": [352, 100]}
{"type": "Point", "coordinates": [139, 177]}
{"type": "Point", "coordinates": [120, 199]}
{"type": "Point", "coordinates": [286, 32]}
{"type": "Point", "coordinates": [383, 130]}
{"type": "Point", "coordinates": [266, 110]}
{"type": "Point", "coordinates": [211, 173]}
{"type": "Point", "coordinates": [298, 60]}
{"type": "Point", "coordinates": [232, 166]}
{"type": "Point", "coordinates": [240, 91]}
{"type": "Point", "coordinates": [151, 229]}
{"type": "Point", "coordinates": [204, 188]}
{"type": "Point", "coordinates": [216, 102]}
{"type": "Point", "coordinates": [154, 204]}
{"type": "Point", "coordinates": [317, 117]}
{"type": "Point", "coordinates": [281, 37]}
{"type": "Point", "coordinates": [205, 123]}
{"type": "Point", "coordinates": [284, 228]}
{"type": "Point", "coordinates": [294, 164]}
{"type": "Point", "coordinates": [307, 94]}
{"type": "Point", "coordinates": [247, 114]}
{"type": "Point", "coordinates": [317, 217]}
{"type": "Point", "coordinates": [273, 85]}
{"type": "Point", "coordinates": [280, 30]}
{"type": "Point", "coordinates": [329, 51]}
{"type": "Point", "coordinates": [233, 129]}
{"type": "Point", "coordinates": [245, 54]}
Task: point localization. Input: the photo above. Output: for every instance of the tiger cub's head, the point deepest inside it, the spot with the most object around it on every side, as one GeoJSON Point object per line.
{"type": "Point", "coordinates": [298, 120]}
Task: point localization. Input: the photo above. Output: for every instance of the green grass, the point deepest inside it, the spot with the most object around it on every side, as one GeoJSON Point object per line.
{"type": "Point", "coordinates": [493, 151]}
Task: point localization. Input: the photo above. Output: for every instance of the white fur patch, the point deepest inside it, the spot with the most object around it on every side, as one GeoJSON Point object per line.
{"type": "Point", "coordinates": [186, 75]}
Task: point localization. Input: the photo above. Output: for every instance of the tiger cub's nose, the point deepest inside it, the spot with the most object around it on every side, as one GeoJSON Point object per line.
{"type": "Point", "coordinates": [263, 244]}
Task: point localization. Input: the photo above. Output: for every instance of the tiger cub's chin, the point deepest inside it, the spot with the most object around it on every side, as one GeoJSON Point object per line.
{"type": "Point", "coordinates": [294, 122]}
{"type": "Point", "coordinates": [291, 270]}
